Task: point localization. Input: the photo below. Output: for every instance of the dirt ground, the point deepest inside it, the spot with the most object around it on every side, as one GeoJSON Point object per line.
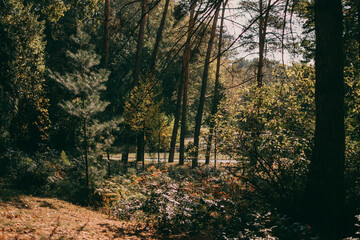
{"type": "Point", "coordinates": [26, 217]}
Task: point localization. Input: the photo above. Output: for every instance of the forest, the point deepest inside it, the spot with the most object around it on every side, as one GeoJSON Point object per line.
{"type": "Point", "coordinates": [180, 119]}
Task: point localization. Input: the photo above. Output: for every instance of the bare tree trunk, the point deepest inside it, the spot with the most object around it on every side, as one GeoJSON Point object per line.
{"type": "Point", "coordinates": [106, 57]}
{"type": "Point", "coordinates": [107, 32]}
{"type": "Point", "coordinates": [176, 121]}
{"type": "Point", "coordinates": [140, 44]}
{"type": "Point", "coordinates": [358, 29]}
{"type": "Point", "coordinates": [140, 153]}
{"type": "Point", "coordinates": [325, 190]}
{"type": "Point", "coordinates": [198, 119]}
{"type": "Point", "coordinates": [158, 40]}
{"type": "Point", "coordinates": [187, 55]}
{"type": "Point", "coordinates": [262, 40]}
{"type": "Point", "coordinates": [109, 163]}
{"type": "Point", "coordinates": [184, 73]}
{"type": "Point", "coordinates": [216, 99]}
{"type": "Point", "coordinates": [125, 151]}
{"type": "Point", "coordinates": [87, 183]}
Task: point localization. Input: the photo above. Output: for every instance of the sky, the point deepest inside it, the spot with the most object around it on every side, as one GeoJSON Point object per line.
{"type": "Point", "coordinates": [235, 22]}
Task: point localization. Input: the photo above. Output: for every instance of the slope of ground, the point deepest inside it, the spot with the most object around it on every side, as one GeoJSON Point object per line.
{"type": "Point", "coordinates": [27, 217]}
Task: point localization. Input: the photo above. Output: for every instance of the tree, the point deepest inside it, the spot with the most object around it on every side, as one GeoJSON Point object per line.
{"type": "Point", "coordinates": [216, 97]}
{"type": "Point", "coordinates": [159, 36]}
{"type": "Point", "coordinates": [181, 92]}
{"type": "Point", "coordinates": [139, 48]}
{"type": "Point", "coordinates": [325, 191]}
{"type": "Point", "coordinates": [25, 113]}
{"type": "Point", "coordinates": [141, 111]}
{"type": "Point", "coordinates": [198, 120]}
{"type": "Point", "coordinates": [107, 32]}
{"type": "Point", "coordinates": [185, 79]}
{"type": "Point", "coordinates": [85, 83]}
{"type": "Point", "coordinates": [263, 22]}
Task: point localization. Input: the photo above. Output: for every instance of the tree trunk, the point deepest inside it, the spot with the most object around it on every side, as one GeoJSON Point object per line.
{"type": "Point", "coordinates": [86, 160]}
{"type": "Point", "coordinates": [185, 77]}
{"type": "Point", "coordinates": [158, 39]}
{"type": "Point", "coordinates": [186, 59]}
{"type": "Point", "coordinates": [109, 163]}
{"type": "Point", "coordinates": [358, 28]}
{"type": "Point", "coordinates": [198, 119]}
{"type": "Point", "coordinates": [140, 153]}
{"type": "Point", "coordinates": [107, 32]}
{"type": "Point", "coordinates": [262, 40]}
{"type": "Point", "coordinates": [140, 44]}
{"type": "Point", "coordinates": [125, 151]}
{"type": "Point", "coordinates": [216, 99]}
{"type": "Point", "coordinates": [155, 54]}
{"type": "Point", "coordinates": [325, 190]}
{"type": "Point", "coordinates": [176, 121]}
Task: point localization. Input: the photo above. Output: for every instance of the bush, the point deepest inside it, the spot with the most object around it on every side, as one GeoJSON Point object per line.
{"type": "Point", "coordinates": [196, 203]}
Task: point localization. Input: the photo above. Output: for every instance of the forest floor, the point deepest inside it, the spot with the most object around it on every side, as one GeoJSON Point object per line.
{"type": "Point", "coordinates": [27, 217]}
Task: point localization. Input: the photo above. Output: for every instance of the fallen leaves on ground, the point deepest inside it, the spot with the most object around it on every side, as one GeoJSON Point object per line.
{"type": "Point", "coordinates": [27, 217]}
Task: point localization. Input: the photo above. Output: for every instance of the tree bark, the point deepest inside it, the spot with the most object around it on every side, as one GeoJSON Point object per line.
{"type": "Point", "coordinates": [176, 121]}
{"type": "Point", "coordinates": [140, 44]}
{"type": "Point", "coordinates": [125, 151]}
{"type": "Point", "coordinates": [140, 153]}
{"type": "Point", "coordinates": [216, 99]}
{"type": "Point", "coordinates": [325, 190]}
{"type": "Point", "coordinates": [262, 40]}
{"type": "Point", "coordinates": [186, 60]}
{"type": "Point", "coordinates": [109, 162]}
{"type": "Point", "coordinates": [358, 29]}
{"type": "Point", "coordinates": [107, 32]}
{"type": "Point", "coordinates": [198, 119]}
{"type": "Point", "coordinates": [158, 40]}
{"type": "Point", "coordinates": [87, 183]}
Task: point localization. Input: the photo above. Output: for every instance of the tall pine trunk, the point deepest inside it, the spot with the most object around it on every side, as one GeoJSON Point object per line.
{"type": "Point", "coordinates": [155, 52]}
{"type": "Point", "coordinates": [87, 183]}
{"type": "Point", "coordinates": [184, 76]}
{"type": "Point", "coordinates": [358, 28]}
{"type": "Point", "coordinates": [199, 114]}
{"type": "Point", "coordinates": [125, 151]}
{"type": "Point", "coordinates": [262, 40]}
{"type": "Point", "coordinates": [158, 40]}
{"type": "Point", "coordinates": [215, 101]}
{"type": "Point", "coordinates": [140, 44]}
{"type": "Point", "coordinates": [325, 190]}
{"type": "Point", "coordinates": [176, 121]}
{"type": "Point", "coordinates": [187, 55]}
{"type": "Point", "coordinates": [107, 32]}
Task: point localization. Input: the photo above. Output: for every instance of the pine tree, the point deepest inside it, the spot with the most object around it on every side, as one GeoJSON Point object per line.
{"type": "Point", "coordinates": [85, 82]}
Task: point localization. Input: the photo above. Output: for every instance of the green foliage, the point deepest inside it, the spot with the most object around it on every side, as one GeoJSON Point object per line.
{"type": "Point", "coordinates": [197, 203]}
{"type": "Point", "coordinates": [64, 158]}
{"type": "Point", "coordinates": [22, 81]}
{"type": "Point", "coordinates": [36, 173]}
{"type": "Point", "coordinates": [142, 111]}
{"type": "Point", "coordinates": [352, 130]}
{"type": "Point", "coordinates": [269, 130]}
{"type": "Point", "coordinates": [85, 83]}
